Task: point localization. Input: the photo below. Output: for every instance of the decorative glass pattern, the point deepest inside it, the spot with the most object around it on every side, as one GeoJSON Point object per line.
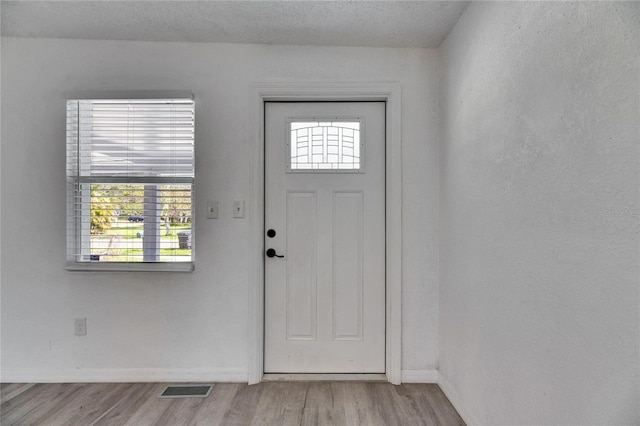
{"type": "Point", "coordinates": [325, 145]}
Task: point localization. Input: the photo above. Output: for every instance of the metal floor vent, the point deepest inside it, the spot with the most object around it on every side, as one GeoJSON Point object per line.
{"type": "Point", "coordinates": [186, 391]}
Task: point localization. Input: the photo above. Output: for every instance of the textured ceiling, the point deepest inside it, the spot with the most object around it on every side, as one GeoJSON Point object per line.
{"type": "Point", "coordinates": [334, 23]}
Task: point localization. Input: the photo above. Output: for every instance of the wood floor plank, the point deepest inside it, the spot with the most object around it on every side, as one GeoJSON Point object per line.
{"type": "Point", "coordinates": [416, 398]}
{"type": "Point", "coordinates": [398, 407]}
{"type": "Point", "coordinates": [71, 401]}
{"type": "Point", "coordinates": [22, 398]}
{"type": "Point", "coordinates": [321, 408]}
{"type": "Point", "coordinates": [11, 390]}
{"type": "Point", "coordinates": [382, 400]}
{"type": "Point", "coordinates": [56, 408]}
{"type": "Point", "coordinates": [442, 407]}
{"type": "Point", "coordinates": [272, 403]}
{"type": "Point", "coordinates": [123, 410]}
{"type": "Point", "coordinates": [214, 408]}
{"type": "Point", "coordinates": [359, 408]}
{"type": "Point", "coordinates": [280, 403]}
{"type": "Point", "coordinates": [181, 412]}
{"type": "Point", "coordinates": [151, 409]}
{"type": "Point", "coordinates": [24, 403]}
{"type": "Point", "coordinates": [32, 407]}
{"type": "Point", "coordinates": [405, 409]}
{"type": "Point", "coordinates": [95, 399]}
{"type": "Point", "coordinates": [243, 406]}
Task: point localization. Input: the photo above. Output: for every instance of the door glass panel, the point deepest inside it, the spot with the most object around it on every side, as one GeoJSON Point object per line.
{"type": "Point", "coordinates": [324, 146]}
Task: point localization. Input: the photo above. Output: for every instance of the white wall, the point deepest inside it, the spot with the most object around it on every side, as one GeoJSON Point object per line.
{"type": "Point", "coordinates": [540, 213]}
{"type": "Point", "coordinates": [162, 325]}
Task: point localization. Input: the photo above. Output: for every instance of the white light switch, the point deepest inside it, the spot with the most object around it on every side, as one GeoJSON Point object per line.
{"type": "Point", "coordinates": [212, 210]}
{"type": "Point", "coordinates": [238, 209]}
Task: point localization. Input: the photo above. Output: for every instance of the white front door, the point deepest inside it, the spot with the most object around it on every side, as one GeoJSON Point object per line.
{"type": "Point", "coordinates": [325, 213]}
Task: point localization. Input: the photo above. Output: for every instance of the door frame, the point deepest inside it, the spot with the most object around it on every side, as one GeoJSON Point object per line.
{"type": "Point", "coordinates": [390, 93]}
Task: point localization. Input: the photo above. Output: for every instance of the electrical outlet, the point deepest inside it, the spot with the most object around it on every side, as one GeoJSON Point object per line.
{"type": "Point", "coordinates": [80, 327]}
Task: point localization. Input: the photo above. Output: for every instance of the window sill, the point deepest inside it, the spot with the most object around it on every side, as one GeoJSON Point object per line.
{"type": "Point", "coordinates": [130, 267]}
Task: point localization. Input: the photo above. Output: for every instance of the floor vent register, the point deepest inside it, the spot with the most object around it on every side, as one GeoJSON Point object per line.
{"type": "Point", "coordinates": [186, 391]}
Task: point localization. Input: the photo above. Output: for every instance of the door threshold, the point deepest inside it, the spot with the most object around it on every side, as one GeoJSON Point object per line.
{"type": "Point", "coordinates": [325, 377]}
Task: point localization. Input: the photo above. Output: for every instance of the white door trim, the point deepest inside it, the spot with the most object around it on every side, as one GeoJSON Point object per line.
{"type": "Point", "coordinates": [391, 94]}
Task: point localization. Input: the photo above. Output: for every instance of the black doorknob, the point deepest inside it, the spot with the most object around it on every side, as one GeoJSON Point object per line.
{"type": "Point", "coordinates": [272, 253]}
{"type": "Point", "coordinates": [271, 233]}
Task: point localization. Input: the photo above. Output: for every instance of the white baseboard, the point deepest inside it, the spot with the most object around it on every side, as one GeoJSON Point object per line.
{"type": "Point", "coordinates": [86, 375]}
{"type": "Point", "coordinates": [455, 400]}
{"type": "Point", "coordinates": [419, 376]}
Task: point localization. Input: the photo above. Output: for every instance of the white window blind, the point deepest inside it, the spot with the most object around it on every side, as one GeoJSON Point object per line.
{"type": "Point", "coordinates": [130, 179]}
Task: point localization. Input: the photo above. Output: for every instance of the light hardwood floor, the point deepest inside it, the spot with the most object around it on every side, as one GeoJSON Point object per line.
{"type": "Point", "coordinates": [271, 403]}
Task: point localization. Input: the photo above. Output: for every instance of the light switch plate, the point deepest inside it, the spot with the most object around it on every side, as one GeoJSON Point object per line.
{"type": "Point", "coordinates": [238, 209]}
{"type": "Point", "coordinates": [212, 210]}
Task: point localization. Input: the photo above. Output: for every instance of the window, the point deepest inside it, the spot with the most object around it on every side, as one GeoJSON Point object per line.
{"type": "Point", "coordinates": [130, 180]}
{"type": "Point", "coordinates": [324, 146]}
